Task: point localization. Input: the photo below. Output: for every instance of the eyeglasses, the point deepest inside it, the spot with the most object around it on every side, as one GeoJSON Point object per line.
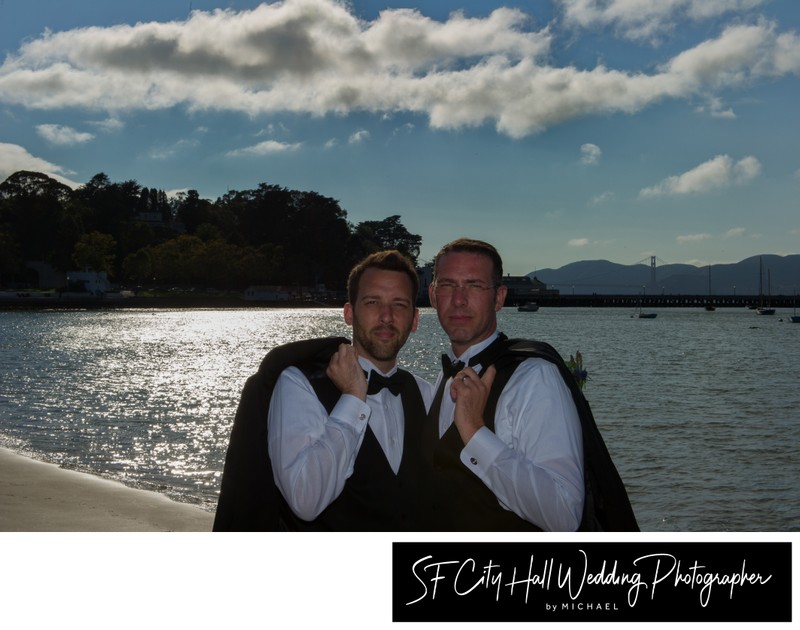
{"type": "Point", "coordinates": [446, 287]}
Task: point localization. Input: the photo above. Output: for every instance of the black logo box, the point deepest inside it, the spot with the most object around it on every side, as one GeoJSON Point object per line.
{"type": "Point", "coordinates": [658, 581]}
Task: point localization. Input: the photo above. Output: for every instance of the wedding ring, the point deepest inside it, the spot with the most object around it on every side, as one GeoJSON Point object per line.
{"type": "Point", "coordinates": [464, 378]}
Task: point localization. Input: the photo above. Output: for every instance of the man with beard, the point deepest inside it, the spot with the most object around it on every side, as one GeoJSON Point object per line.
{"type": "Point", "coordinates": [345, 445]}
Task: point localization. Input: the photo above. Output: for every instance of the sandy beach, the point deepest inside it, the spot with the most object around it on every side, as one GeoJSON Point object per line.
{"type": "Point", "coordinates": [41, 497]}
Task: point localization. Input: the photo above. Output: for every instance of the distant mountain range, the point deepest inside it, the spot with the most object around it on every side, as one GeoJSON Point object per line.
{"type": "Point", "coordinates": [781, 276]}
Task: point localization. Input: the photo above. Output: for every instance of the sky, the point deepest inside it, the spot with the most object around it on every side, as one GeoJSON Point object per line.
{"type": "Point", "coordinates": [558, 131]}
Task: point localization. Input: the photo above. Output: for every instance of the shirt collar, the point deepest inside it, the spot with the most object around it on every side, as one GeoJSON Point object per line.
{"type": "Point", "coordinates": [367, 365]}
{"type": "Point", "coordinates": [475, 349]}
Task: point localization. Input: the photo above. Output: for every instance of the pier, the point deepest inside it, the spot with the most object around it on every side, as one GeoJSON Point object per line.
{"type": "Point", "coordinates": [595, 300]}
{"type": "Point", "coordinates": [663, 301]}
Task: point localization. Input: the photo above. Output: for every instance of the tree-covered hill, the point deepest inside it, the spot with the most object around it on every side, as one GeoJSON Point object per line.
{"type": "Point", "coordinates": [139, 235]}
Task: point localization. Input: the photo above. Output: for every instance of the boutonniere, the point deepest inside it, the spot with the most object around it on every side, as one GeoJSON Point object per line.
{"type": "Point", "coordinates": [575, 365]}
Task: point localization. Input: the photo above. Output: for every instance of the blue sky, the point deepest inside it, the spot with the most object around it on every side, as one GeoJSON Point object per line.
{"type": "Point", "coordinates": [559, 131]}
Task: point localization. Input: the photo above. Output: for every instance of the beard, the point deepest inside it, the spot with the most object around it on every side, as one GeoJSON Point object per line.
{"type": "Point", "coordinates": [380, 349]}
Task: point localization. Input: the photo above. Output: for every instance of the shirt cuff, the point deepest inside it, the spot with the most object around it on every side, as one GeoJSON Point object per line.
{"type": "Point", "coordinates": [352, 411]}
{"type": "Point", "coordinates": [483, 448]}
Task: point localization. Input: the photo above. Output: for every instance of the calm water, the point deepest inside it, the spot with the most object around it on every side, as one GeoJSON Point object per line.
{"type": "Point", "coordinates": [701, 411]}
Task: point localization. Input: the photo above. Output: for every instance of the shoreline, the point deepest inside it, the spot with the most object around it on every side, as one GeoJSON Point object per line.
{"type": "Point", "coordinates": [163, 302]}
{"type": "Point", "coordinates": [229, 302]}
{"type": "Point", "coordinates": [38, 496]}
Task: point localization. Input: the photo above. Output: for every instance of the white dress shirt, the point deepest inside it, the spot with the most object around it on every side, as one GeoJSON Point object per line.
{"type": "Point", "coordinates": [533, 462]}
{"type": "Point", "coordinates": [313, 453]}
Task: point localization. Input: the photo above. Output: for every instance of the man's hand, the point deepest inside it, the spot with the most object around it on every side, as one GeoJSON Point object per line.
{"type": "Point", "coordinates": [470, 392]}
{"type": "Point", "coordinates": [346, 373]}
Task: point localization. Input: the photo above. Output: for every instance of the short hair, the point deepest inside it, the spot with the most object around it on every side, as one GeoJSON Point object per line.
{"type": "Point", "coordinates": [387, 260]}
{"type": "Point", "coordinates": [472, 246]}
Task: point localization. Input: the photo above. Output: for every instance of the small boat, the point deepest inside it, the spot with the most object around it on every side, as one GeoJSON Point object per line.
{"type": "Point", "coordinates": [764, 310]}
{"type": "Point", "coordinates": [528, 307]}
{"type": "Point", "coordinates": [709, 305]}
{"type": "Point", "coordinates": [640, 315]}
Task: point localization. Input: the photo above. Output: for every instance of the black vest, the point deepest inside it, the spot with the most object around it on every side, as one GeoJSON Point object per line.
{"type": "Point", "coordinates": [249, 500]}
{"type": "Point", "coordinates": [374, 498]}
{"type": "Point", "coordinates": [463, 500]}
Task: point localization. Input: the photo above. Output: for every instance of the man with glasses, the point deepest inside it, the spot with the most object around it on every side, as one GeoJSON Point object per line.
{"type": "Point", "coordinates": [510, 448]}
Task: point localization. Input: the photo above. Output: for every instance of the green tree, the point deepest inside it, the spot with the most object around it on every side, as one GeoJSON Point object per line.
{"type": "Point", "coordinates": [390, 233]}
{"type": "Point", "coordinates": [191, 210]}
{"type": "Point", "coordinates": [315, 246]}
{"type": "Point", "coordinates": [12, 267]}
{"type": "Point", "coordinates": [95, 252]}
{"type": "Point", "coordinates": [31, 206]}
{"type": "Point", "coordinates": [267, 235]}
{"type": "Point", "coordinates": [137, 266]}
{"type": "Point", "coordinates": [262, 215]}
{"type": "Point", "coordinates": [32, 184]}
{"type": "Point", "coordinates": [175, 261]}
{"type": "Point", "coordinates": [110, 205]}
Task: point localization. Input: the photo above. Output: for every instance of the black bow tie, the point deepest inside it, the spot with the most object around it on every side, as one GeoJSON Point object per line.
{"type": "Point", "coordinates": [377, 382]}
{"type": "Point", "coordinates": [484, 357]}
{"type": "Point", "coordinates": [451, 368]}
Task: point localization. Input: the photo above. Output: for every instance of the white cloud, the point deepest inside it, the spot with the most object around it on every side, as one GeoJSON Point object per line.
{"type": "Point", "coordinates": [15, 158]}
{"type": "Point", "coordinates": [109, 125]}
{"type": "Point", "coordinates": [362, 135]}
{"type": "Point", "coordinates": [693, 238]}
{"type": "Point", "coordinates": [742, 53]}
{"type": "Point", "coordinates": [601, 198]}
{"type": "Point", "coordinates": [718, 172]}
{"type": "Point", "coordinates": [723, 113]}
{"type": "Point", "coordinates": [735, 233]}
{"type": "Point", "coordinates": [168, 151]}
{"type": "Point", "coordinates": [717, 109]}
{"type": "Point", "coordinates": [578, 242]}
{"type": "Point", "coordinates": [61, 135]}
{"type": "Point", "coordinates": [746, 169]}
{"type": "Point", "coordinates": [265, 148]}
{"type": "Point", "coordinates": [273, 129]}
{"type": "Point", "coordinates": [785, 59]}
{"type": "Point", "coordinates": [647, 20]}
{"type": "Point", "coordinates": [405, 128]}
{"type": "Point", "coordinates": [590, 153]}
{"type": "Point", "coordinates": [316, 57]}
{"type": "Point", "coordinates": [696, 262]}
